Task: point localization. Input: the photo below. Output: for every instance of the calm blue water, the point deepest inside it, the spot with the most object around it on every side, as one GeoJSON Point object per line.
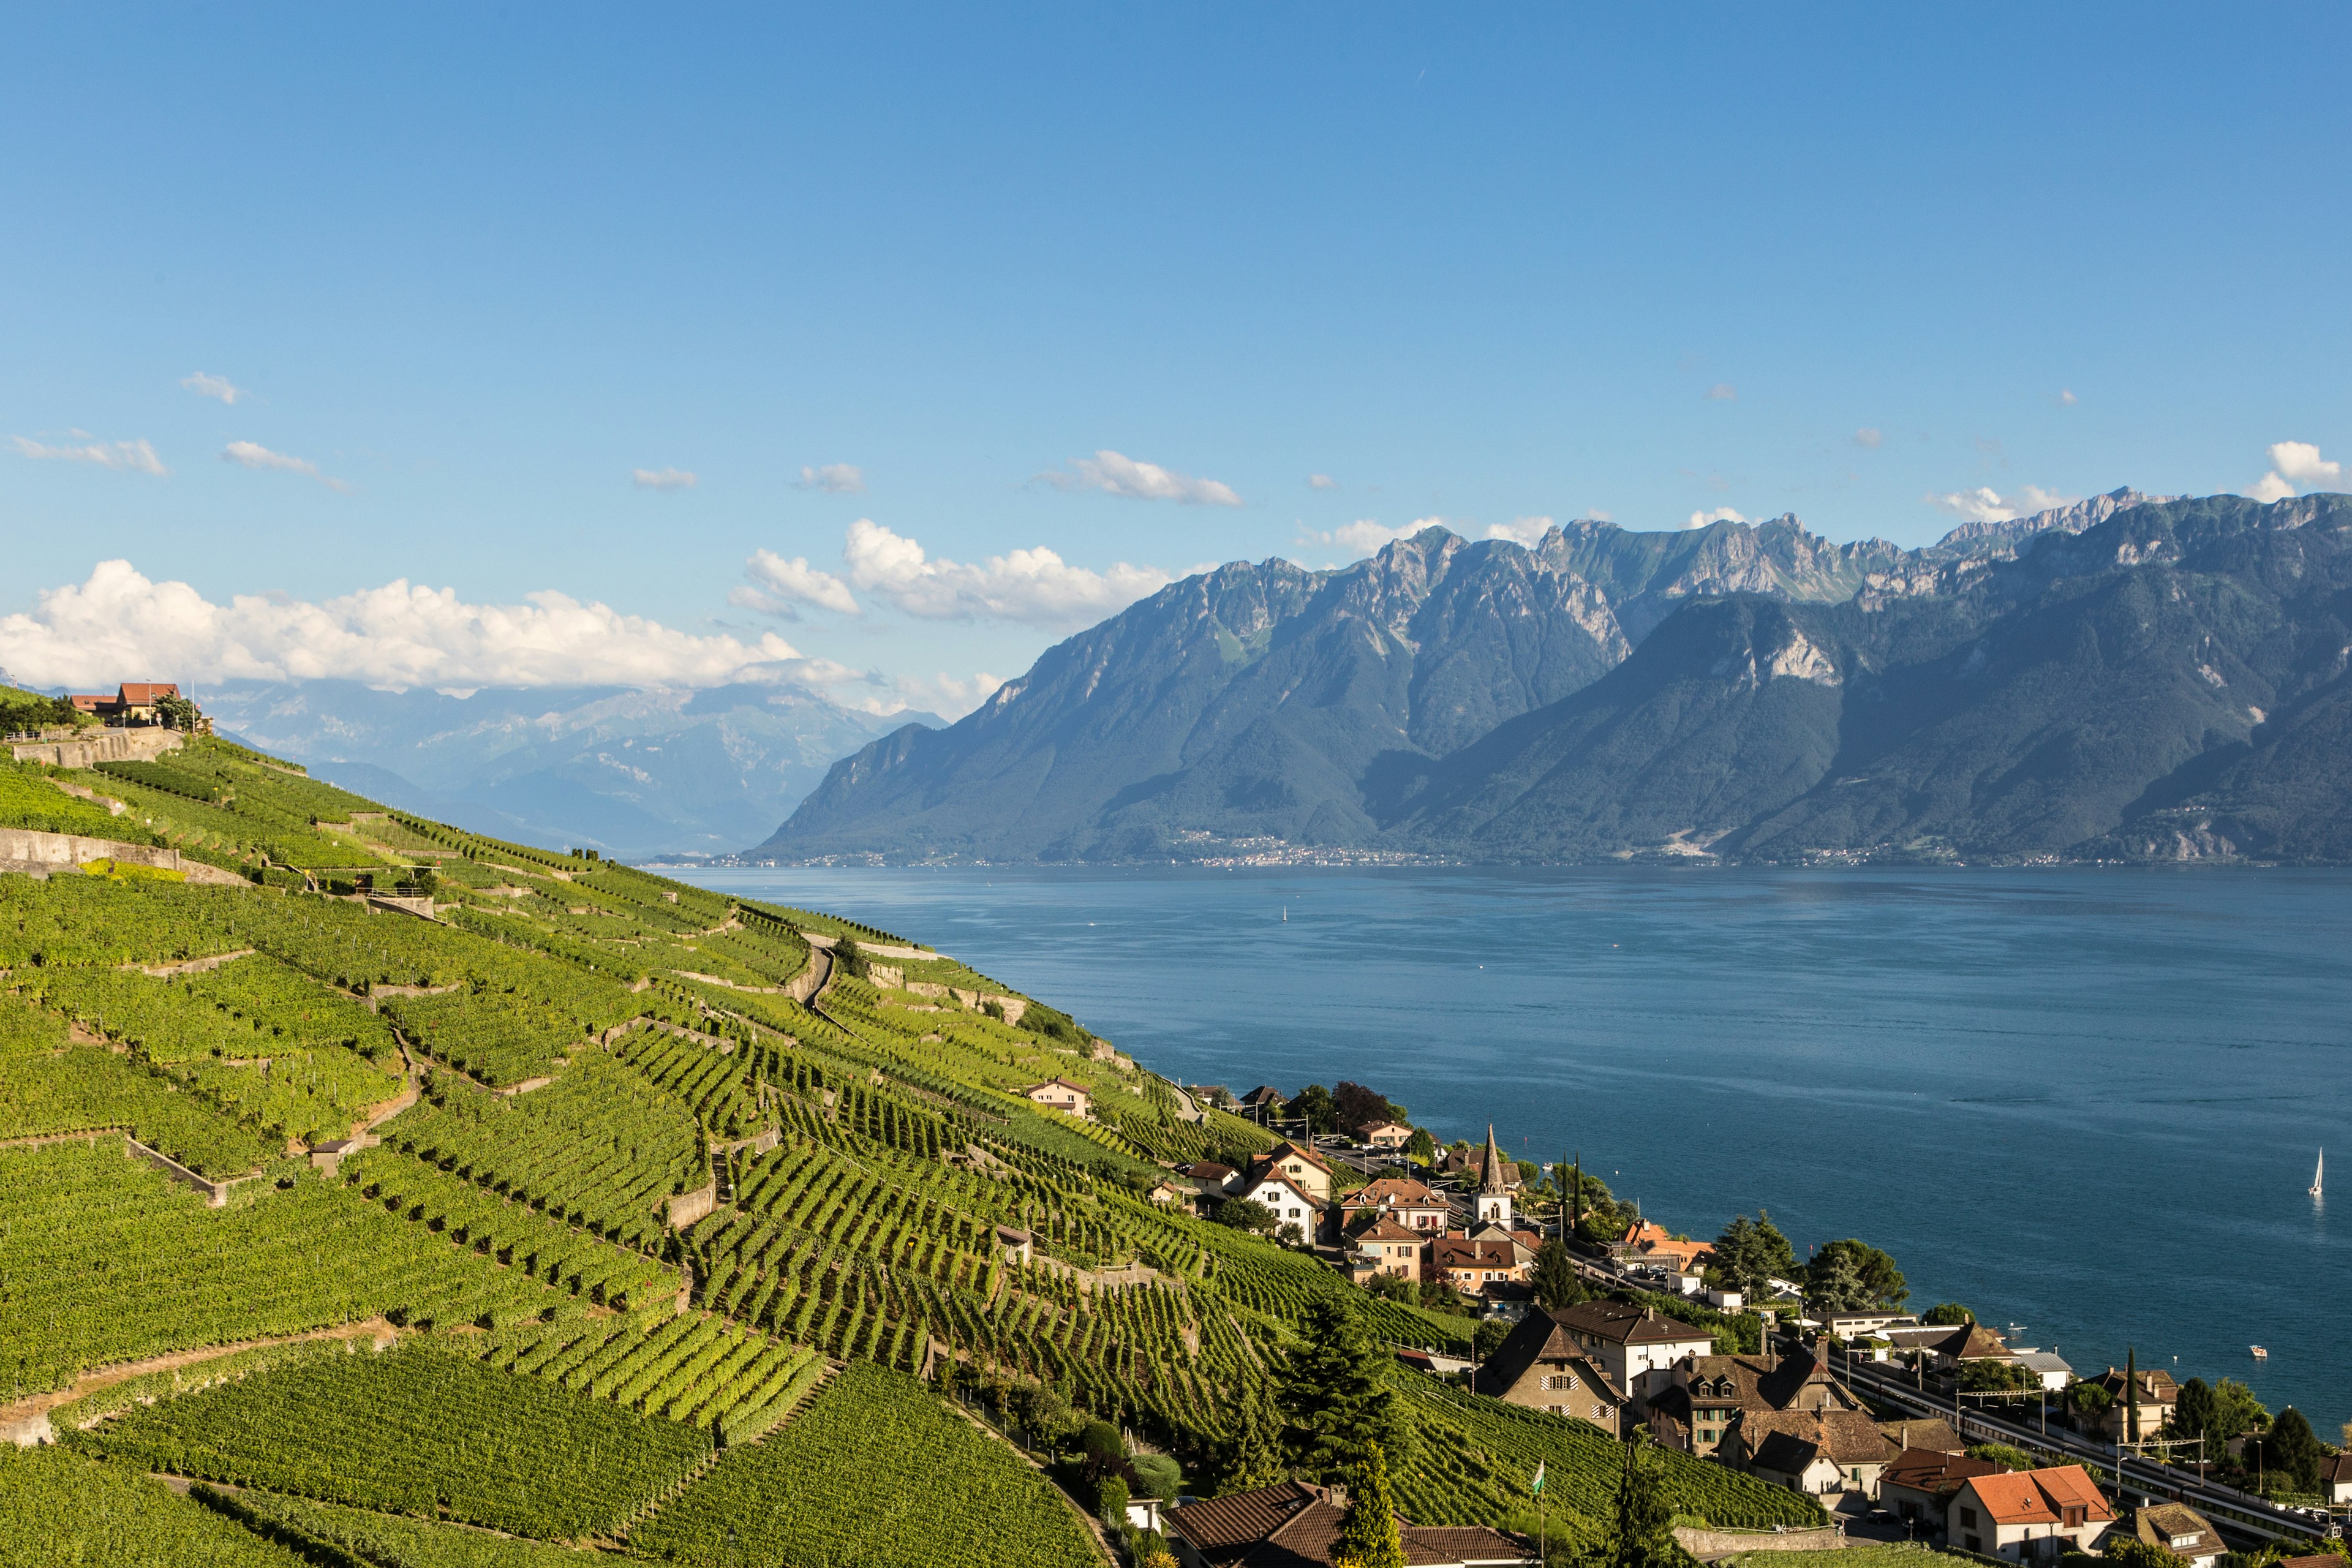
{"type": "Point", "coordinates": [2082, 1101]}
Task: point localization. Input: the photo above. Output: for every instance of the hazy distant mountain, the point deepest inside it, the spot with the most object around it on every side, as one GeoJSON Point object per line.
{"type": "Point", "coordinates": [632, 772]}
{"type": "Point", "coordinates": [2119, 676]}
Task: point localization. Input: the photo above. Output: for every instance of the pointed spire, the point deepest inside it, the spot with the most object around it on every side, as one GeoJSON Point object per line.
{"type": "Point", "coordinates": [1491, 1179]}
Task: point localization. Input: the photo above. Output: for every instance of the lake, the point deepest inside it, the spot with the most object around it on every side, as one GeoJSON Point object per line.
{"type": "Point", "coordinates": [2085, 1102]}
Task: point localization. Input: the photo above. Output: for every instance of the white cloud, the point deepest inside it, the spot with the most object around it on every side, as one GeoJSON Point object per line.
{"type": "Point", "coordinates": [1869, 436]}
{"type": "Point", "coordinates": [2300, 463]}
{"type": "Point", "coordinates": [2270, 488]}
{"type": "Point", "coordinates": [257, 457]}
{"type": "Point", "coordinates": [1321, 482]}
{"type": "Point", "coordinates": [1985, 504]}
{"type": "Point", "coordinates": [1720, 514]}
{"type": "Point", "coordinates": [401, 634]}
{"type": "Point", "coordinates": [1032, 586]}
{"type": "Point", "coordinates": [218, 386]}
{"type": "Point", "coordinates": [944, 695]}
{"type": "Point", "coordinates": [2066, 398]}
{"type": "Point", "coordinates": [1365, 537]}
{"type": "Point", "coordinates": [834, 478]}
{"type": "Point", "coordinates": [786, 583]}
{"type": "Point", "coordinates": [1524, 530]}
{"type": "Point", "coordinates": [1722, 391]}
{"type": "Point", "coordinates": [1123, 476]}
{"type": "Point", "coordinates": [126, 457]}
{"type": "Point", "coordinates": [663, 478]}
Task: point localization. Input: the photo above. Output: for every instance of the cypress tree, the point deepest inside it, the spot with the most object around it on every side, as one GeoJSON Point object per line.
{"type": "Point", "coordinates": [1369, 1537]}
{"type": "Point", "coordinates": [1640, 1531]}
{"type": "Point", "coordinates": [2131, 1394]}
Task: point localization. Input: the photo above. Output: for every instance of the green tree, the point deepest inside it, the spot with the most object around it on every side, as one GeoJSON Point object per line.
{"type": "Point", "coordinates": [2134, 1553]}
{"type": "Point", "coordinates": [1488, 1337]}
{"type": "Point", "coordinates": [1246, 1214]}
{"type": "Point", "coordinates": [1110, 1500]}
{"type": "Point", "coordinates": [851, 958]}
{"type": "Point", "coordinates": [1423, 1148]}
{"type": "Point", "coordinates": [1369, 1536]}
{"type": "Point", "coordinates": [1251, 1455]}
{"type": "Point", "coordinates": [1556, 1282]}
{"type": "Point", "coordinates": [1334, 1394]}
{"type": "Point", "coordinates": [2236, 1412]}
{"type": "Point", "coordinates": [1751, 1252]}
{"type": "Point", "coordinates": [1989, 1376]}
{"type": "Point", "coordinates": [1877, 1281]}
{"type": "Point", "coordinates": [2001, 1453]}
{"type": "Point", "coordinates": [1317, 1105]}
{"type": "Point", "coordinates": [2192, 1416]}
{"type": "Point", "coordinates": [1639, 1533]}
{"type": "Point", "coordinates": [2291, 1451]}
{"type": "Point", "coordinates": [1950, 1314]}
{"type": "Point", "coordinates": [1161, 1476]}
{"type": "Point", "coordinates": [1833, 1284]}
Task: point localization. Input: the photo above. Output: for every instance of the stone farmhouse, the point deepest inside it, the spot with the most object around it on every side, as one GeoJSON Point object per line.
{"type": "Point", "coordinates": [1704, 1394]}
{"type": "Point", "coordinates": [2173, 1527]}
{"type": "Point", "coordinates": [1540, 1365]}
{"type": "Point", "coordinates": [133, 702]}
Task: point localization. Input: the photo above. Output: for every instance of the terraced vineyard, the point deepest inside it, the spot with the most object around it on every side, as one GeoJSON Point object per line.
{"type": "Point", "coordinates": [653, 1249]}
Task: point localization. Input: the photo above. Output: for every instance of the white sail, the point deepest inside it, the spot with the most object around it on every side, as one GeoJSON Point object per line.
{"type": "Point", "coordinates": [2319, 1174]}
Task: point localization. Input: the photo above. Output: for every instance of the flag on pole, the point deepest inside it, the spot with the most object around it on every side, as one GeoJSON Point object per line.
{"type": "Point", "coordinates": [1537, 1489]}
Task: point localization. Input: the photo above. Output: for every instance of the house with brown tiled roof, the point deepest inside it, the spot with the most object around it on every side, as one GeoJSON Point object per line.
{"type": "Point", "coordinates": [1296, 1525]}
{"type": "Point", "coordinates": [1301, 1166]}
{"type": "Point", "coordinates": [1917, 1484]}
{"type": "Point", "coordinates": [133, 702]}
{"type": "Point", "coordinates": [1470, 1265]}
{"type": "Point", "coordinates": [2175, 1527]}
{"type": "Point", "coordinates": [2158, 1396]}
{"type": "Point", "coordinates": [1639, 1347]}
{"type": "Point", "coordinates": [2336, 1478]}
{"type": "Point", "coordinates": [1705, 1393]}
{"type": "Point", "coordinates": [1416, 1205]}
{"type": "Point", "coordinates": [1388, 1135]}
{"type": "Point", "coordinates": [1540, 1365]}
{"type": "Point", "coordinates": [1386, 1247]}
{"type": "Point", "coordinates": [2028, 1515]}
{"type": "Point", "coordinates": [1818, 1452]}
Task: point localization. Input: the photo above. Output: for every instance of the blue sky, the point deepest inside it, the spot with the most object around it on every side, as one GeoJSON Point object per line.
{"type": "Point", "coordinates": [468, 275]}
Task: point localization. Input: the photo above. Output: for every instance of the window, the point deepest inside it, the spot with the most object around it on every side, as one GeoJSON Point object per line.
{"type": "Point", "coordinates": [1968, 1521]}
{"type": "Point", "coordinates": [1972, 1544]}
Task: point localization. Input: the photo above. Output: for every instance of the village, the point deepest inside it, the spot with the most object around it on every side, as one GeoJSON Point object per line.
{"type": "Point", "coordinates": [1922, 1426]}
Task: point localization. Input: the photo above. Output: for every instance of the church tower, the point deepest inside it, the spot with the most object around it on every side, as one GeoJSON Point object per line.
{"type": "Point", "coordinates": [1494, 1203]}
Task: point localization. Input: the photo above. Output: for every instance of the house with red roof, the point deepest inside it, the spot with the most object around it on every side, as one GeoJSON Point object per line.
{"type": "Point", "coordinates": [2028, 1515]}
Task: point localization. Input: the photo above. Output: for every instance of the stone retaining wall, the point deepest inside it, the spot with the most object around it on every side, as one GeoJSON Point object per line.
{"type": "Point", "coordinates": [39, 853]}
{"type": "Point", "coordinates": [684, 1208]}
{"type": "Point", "coordinates": [140, 745]}
{"type": "Point", "coordinates": [1724, 1542]}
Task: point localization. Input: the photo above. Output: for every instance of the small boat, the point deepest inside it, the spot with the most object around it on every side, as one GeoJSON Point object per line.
{"type": "Point", "coordinates": [2260, 1354]}
{"type": "Point", "coordinates": [2319, 1175]}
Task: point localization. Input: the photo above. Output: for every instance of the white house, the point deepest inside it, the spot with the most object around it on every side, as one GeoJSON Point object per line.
{"type": "Point", "coordinates": [1290, 1205]}
{"type": "Point", "coordinates": [2028, 1516]}
{"type": "Point", "coordinates": [1636, 1349]}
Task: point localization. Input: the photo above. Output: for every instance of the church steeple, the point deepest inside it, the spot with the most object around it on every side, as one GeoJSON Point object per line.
{"type": "Point", "coordinates": [1493, 1202]}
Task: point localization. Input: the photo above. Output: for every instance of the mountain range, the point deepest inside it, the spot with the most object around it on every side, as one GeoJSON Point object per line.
{"type": "Point", "coordinates": [634, 773]}
{"type": "Point", "coordinates": [2124, 678]}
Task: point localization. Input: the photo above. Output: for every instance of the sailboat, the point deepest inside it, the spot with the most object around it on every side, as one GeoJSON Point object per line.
{"type": "Point", "coordinates": [2319, 1175]}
